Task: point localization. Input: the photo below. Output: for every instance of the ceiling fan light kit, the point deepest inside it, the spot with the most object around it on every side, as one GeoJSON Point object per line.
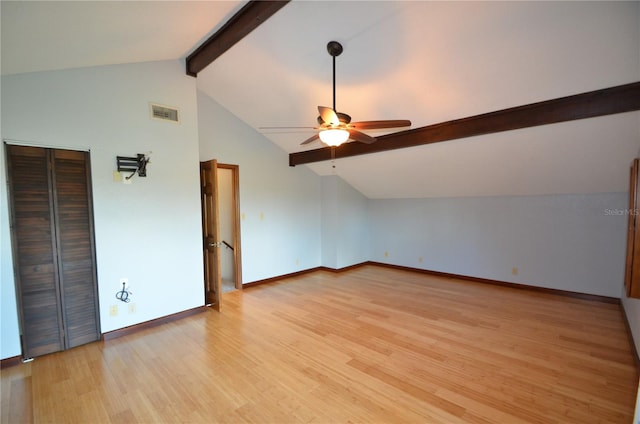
{"type": "Point", "coordinates": [334, 136]}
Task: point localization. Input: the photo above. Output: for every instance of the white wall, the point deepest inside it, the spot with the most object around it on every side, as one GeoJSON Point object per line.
{"type": "Point", "coordinates": [563, 242]}
{"type": "Point", "coordinates": [345, 229]}
{"type": "Point", "coordinates": [148, 231]}
{"type": "Point", "coordinates": [280, 206]}
{"type": "Point", "coordinates": [330, 222]}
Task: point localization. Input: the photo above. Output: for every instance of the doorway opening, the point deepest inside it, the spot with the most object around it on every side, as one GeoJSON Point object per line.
{"type": "Point", "coordinates": [229, 218]}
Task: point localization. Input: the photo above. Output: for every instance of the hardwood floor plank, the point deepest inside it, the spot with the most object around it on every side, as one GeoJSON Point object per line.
{"type": "Point", "coordinates": [371, 344]}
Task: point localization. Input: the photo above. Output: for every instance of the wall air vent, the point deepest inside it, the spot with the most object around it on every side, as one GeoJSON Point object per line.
{"type": "Point", "coordinates": [164, 113]}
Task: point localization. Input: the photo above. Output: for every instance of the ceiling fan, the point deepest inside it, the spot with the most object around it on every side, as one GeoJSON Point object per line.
{"type": "Point", "coordinates": [336, 127]}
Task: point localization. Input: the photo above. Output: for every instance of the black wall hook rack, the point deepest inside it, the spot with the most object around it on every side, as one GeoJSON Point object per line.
{"type": "Point", "coordinates": [133, 164]}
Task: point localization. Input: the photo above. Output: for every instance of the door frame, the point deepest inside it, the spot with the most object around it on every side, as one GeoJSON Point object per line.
{"type": "Point", "coordinates": [211, 230]}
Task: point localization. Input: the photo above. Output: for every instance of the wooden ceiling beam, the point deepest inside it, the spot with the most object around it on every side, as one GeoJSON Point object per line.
{"type": "Point", "coordinates": [252, 14]}
{"type": "Point", "coordinates": [608, 101]}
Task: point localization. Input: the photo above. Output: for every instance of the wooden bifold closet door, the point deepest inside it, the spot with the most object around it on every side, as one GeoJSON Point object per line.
{"type": "Point", "coordinates": [53, 248]}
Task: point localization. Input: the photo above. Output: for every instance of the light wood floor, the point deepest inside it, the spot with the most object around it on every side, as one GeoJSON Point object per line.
{"type": "Point", "coordinates": [371, 345]}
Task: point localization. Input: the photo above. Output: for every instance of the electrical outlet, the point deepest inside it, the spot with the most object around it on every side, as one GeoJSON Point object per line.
{"type": "Point", "coordinates": [113, 310]}
{"type": "Point", "coordinates": [117, 177]}
{"type": "Point", "coordinates": [420, 259]}
{"type": "Point", "coordinates": [386, 254]}
{"type": "Point", "coordinates": [132, 308]}
{"type": "Point", "coordinates": [514, 271]}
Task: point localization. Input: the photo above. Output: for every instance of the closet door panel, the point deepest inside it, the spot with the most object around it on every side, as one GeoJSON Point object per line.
{"type": "Point", "coordinates": [75, 245]}
{"type": "Point", "coordinates": [34, 250]}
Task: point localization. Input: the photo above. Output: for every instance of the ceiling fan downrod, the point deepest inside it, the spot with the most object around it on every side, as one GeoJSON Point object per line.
{"type": "Point", "coordinates": [335, 49]}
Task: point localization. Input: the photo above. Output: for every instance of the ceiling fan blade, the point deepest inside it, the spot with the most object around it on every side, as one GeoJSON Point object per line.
{"type": "Point", "coordinates": [361, 137]}
{"type": "Point", "coordinates": [372, 125]}
{"type": "Point", "coordinates": [328, 115]}
{"type": "Point", "coordinates": [310, 139]}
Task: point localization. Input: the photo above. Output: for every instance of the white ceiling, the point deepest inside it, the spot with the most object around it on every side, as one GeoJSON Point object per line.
{"type": "Point", "coordinates": [50, 35]}
{"type": "Point", "coordinates": [425, 61]}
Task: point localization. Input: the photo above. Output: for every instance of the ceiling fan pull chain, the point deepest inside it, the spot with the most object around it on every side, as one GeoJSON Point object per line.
{"type": "Point", "coordinates": [333, 160]}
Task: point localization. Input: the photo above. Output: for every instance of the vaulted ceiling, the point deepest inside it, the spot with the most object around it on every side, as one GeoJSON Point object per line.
{"type": "Point", "coordinates": [420, 60]}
